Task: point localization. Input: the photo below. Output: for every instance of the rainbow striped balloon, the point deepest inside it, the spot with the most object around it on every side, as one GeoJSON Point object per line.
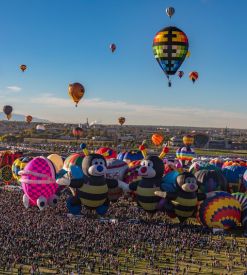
{"type": "Point", "coordinates": [220, 211]}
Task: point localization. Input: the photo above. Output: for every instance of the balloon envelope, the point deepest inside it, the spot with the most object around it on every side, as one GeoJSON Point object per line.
{"type": "Point", "coordinates": [113, 47]}
{"type": "Point", "coordinates": [170, 46]}
{"type": "Point", "coordinates": [220, 211]}
{"type": "Point", "coordinates": [76, 92]}
{"type": "Point", "coordinates": [157, 139]}
{"type": "Point", "coordinates": [57, 161]}
{"type": "Point", "coordinates": [170, 11]}
{"type": "Point", "coordinates": [194, 76]}
{"type": "Point", "coordinates": [28, 119]}
{"type": "Point", "coordinates": [23, 67]}
{"type": "Point", "coordinates": [121, 120]}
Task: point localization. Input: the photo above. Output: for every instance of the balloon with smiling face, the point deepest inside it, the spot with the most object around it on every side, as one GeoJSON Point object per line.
{"type": "Point", "coordinates": [94, 193]}
{"type": "Point", "coordinates": [183, 202]}
{"type": "Point", "coordinates": [91, 190]}
{"type": "Point", "coordinates": [151, 173]}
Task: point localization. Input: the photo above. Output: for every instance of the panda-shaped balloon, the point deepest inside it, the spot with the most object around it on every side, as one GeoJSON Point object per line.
{"type": "Point", "coordinates": [91, 190]}
{"type": "Point", "coordinates": [151, 172]}
{"type": "Point", "coordinates": [183, 202]}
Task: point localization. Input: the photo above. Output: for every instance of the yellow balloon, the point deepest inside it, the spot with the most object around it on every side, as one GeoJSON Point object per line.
{"type": "Point", "coordinates": [188, 54]}
{"type": "Point", "coordinates": [57, 161]}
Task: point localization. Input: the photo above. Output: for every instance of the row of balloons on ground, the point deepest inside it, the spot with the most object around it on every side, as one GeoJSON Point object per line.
{"type": "Point", "coordinates": [156, 183]}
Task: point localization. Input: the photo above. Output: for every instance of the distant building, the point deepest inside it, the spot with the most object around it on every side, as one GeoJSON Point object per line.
{"type": "Point", "coordinates": [220, 144]}
{"type": "Point", "coordinates": [176, 141]}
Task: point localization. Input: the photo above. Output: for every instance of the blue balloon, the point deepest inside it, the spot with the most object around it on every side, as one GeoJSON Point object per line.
{"type": "Point", "coordinates": [101, 210]}
{"type": "Point", "coordinates": [233, 173]}
{"type": "Point", "coordinates": [168, 183]}
{"type": "Point", "coordinates": [61, 173]}
{"type": "Point", "coordinates": [76, 172]}
{"type": "Point", "coordinates": [73, 209]}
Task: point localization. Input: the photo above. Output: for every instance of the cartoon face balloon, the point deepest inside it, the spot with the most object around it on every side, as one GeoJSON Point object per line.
{"type": "Point", "coordinates": [39, 183]}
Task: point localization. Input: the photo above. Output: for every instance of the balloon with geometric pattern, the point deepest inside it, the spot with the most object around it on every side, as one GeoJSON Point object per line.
{"type": "Point", "coordinates": [18, 165]}
{"type": "Point", "coordinates": [220, 211]}
{"type": "Point", "coordinates": [38, 180]}
{"type": "Point", "coordinates": [170, 46]}
{"type": "Point", "coordinates": [194, 76]}
{"type": "Point", "coordinates": [6, 174]}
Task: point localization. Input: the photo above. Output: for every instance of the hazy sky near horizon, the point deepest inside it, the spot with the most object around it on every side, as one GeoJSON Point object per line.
{"type": "Point", "coordinates": [66, 41]}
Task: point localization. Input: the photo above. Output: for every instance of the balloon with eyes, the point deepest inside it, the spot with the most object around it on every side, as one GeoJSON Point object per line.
{"type": "Point", "coordinates": [39, 183]}
{"type": "Point", "coordinates": [151, 172]}
{"type": "Point", "coordinates": [91, 189]}
{"type": "Point", "coordinates": [183, 202]}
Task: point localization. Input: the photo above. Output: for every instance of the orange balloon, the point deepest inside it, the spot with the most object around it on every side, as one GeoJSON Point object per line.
{"type": "Point", "coordinates": [193, 76]}
{"type": "Point", "coordinates": [157, 139]}
{"type": "Point", "coordinates": [76, 92]}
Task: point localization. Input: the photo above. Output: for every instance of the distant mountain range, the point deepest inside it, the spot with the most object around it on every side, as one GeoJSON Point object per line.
{"type": "Point", "coordinates": [17, 117]}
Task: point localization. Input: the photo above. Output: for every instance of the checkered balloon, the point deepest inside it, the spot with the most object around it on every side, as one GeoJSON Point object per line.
{"type": "Point", "coordinates": [170, 46]}
{"type": "Point", "coordinates": [38, 180]}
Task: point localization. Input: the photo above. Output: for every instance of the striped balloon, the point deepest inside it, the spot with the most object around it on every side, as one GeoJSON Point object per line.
{"type": "Point", "coordinates": [220, 211]}
{"type": "Point", "coordinates": [74, 159]}
{"type": "Point", "coordinates": [18, 165]}
{"type": "Point", "coordinates": [242, 198]}
{"type": "Point", "coordinates": [188, 140]}
{"type": "Point", "coordinates": [157, 139]}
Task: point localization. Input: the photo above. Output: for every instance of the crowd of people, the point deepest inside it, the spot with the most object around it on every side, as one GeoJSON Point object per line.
{"type": "Point", "coordinates": [127, 241]}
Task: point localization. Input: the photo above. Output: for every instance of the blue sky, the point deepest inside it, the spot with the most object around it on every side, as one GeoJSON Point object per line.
{"type": "Point", "coordinates": [66, 41]}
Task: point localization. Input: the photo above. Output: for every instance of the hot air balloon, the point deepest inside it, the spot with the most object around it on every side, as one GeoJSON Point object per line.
{"type": "Point", "coordinates": [7, 109]}
{"type": "Point", "coordinates": [113, 47]}
{"type": "Point", "coordinates": [77, 132]}
{"type": "Point", "coordinates": [39, 183]}
{"type": "Point", "coordinates": [40, 128]}
{"type": "Point", "coordinates": [74, 159]}
{"type": "Point", "coordinates": [28, 119]}
{"type": "Point", "coordinates": [121, 120]}
{"type": "Point", "coordinates": [188, 140]}
{"type": "Point", "coordinates": [180, 74]}
{"type": "Point", "coordinates": [188, 54]}
{"type": "Point", "coordinates": [170, 11]}
{"type": "Point", "coordinates": [170, 46]}
{"type": "Point", "coordinates": [157, 139]}
{"type": "Point", "coordinates": [76, 92]}
{"type": "Point", "coordinates": [220, 211]}
{"type": "Point", "coordinates": [193, 76]}
{"type": "Point", "coordinates": [23, 67]}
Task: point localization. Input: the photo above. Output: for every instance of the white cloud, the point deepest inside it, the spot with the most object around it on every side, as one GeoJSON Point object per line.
{"type": "Point", "coordinates": [61, 110]}
{"type": "Point", "coordinates": [15, 89]}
